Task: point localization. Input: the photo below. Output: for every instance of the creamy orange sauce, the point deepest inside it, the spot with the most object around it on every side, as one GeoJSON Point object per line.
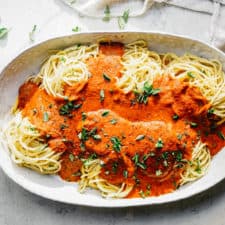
{"type": "Point", "coordinates": [140, 144]}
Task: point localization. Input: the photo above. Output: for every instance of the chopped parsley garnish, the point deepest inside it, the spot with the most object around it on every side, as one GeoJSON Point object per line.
{"type": "Point", "coordinates": [210, 111]}
{"type": "Point", "coordinates": [90, 158]}
{"type": "Point", "coordinates": [106, 77]}
{"type": "Point", "coordinates": [158, 172]}
{"type": "Point", "coordinates": [165, 155]}
{"type": "Point", "coordinates": [140, 137]}
{"type": "Point", "coordinates": [84, 116]}
{"type": "Point", "coordinates": [125, 173]}
{"type": "Point", "coordinates": [159, 143]}
{"type": "Point", "coordinates": [105, 113]}
{"type": "Point", "coordinates": [3, 32]}
{"type": "Point", "coordinates": [76, 29]}
{"type": "Point", "coordinates": [138, 163]}
{"type": "Point", "coordinates": [77, 174]}
{"type": "Point", "coordinates": [190, 74]}
{"type": "Point", "coordinates": [141, 165]}
{"type": "Point", "coordinates": [71, 157]}
{"type": "Point", "coordinates": [66, 109]}
{"type": "Point", "coordinates": [122, 20]}
{"type": "Point", "coordinates": [175, 117]}
{"type": "Point", "coordinates": [142, 194]}
{"type": "Point", "coordinates": [113, 121]}
{"type": "Point", "coordinates": [34, 111]}
{"type": "Point", "coordinates": [106, 18]}
{"type": "Point", "coordinates": [135, 158]}
{"type": "Point", "coordinates": [83, 135]}
{"type": "Point", "coordinates": [221, 135]}
{"type": "Point", "coordinates": [31, 34]}
{"type": "Point", "coordinates": [193, 124]}
{"type": "Point", "coordinates": [150, 154]}
{"type": "Point", "coordinates": [179, 156]}
{"type": "Point", "coordinates": [102, 95]}
{"type": "Point", "coordinates": [148, 90]}
{"type": "Point", "coordinates": [45, 117]}
{"type": "Point", "coordinates": [97, 137]}
{"type": "Point", "coordinates": [92, 131]}
{"type": "Point", "coordinates": [179, 136]}
{"type": "Point", "coordinates": [114, 167]}
{"type": "Point", "coordinates": [116, 143]}
{"type": "Point", "coordinates": [198, 168]}
{"type": "Point", "coordinates": [63, 126]}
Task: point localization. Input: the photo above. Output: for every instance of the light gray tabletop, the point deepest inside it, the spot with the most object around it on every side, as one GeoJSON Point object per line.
{"type": "Point", "coordinates": [52, 17]}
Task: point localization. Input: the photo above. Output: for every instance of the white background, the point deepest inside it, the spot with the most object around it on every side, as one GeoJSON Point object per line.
{"type": "Point", "coordinates": [53, 18]}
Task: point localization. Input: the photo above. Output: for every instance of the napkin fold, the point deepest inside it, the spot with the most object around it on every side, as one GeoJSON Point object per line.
{"type": "Point", "coordinates": [213, 8]}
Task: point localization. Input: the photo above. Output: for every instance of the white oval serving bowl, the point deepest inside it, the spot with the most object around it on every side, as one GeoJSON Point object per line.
{"type": "Point", "coordinates": [52, 187]}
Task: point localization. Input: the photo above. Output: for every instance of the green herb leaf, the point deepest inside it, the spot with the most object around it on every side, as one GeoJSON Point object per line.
{"type": "Point", "coordinates": [190, 74]}
{"type": "Point", "coordinates": [198, 168]}
{"type": "Point", "coordinates": [31, 34]}
{"type": "Point", "coordinates": [90, 158]}
{"type": "Point", "coordinates": [102, 95]}
{"type": "Point", "coordinates": [83, 135]}
{"type": "Point", "coordinates": [193, 124]}
{"type": "Point", "coordinates": [179, 156]}
{"type": "Point", "coordinates": [105, 113]}
{"type": "Point", "coordinates": [3, 32]}
{"type": "Point", "coordinates": [93, 131]}
{"type": "Point", "coordinates": [221, 135]}
{"type": "Point", "coordinates": [158, 172]}
{"type": "Point", "coordinates": [66, 109]}
{"type": "Point", "coordinates": [148, 90]}
{"type": "Point", "coordinates": [84, 116]}
{"type": "Point", "coordinates": [115, 167]}
{"type": "Point", "coordinates": [107, 16]}
{"type": "Point", "coordinates": [140, 137]}
{"type": "Point", "coordinates": [159, 143]}
{"type": "Point", "coordinates": [45, 117]}
{"type": "Point", "coordinates": [135, 159]}
{"type": "Point", "coordinates": [125, 173]}
{"type": "Point", "coordinates": [141, 165]}
{"type": "Point", "coordinates": [97, 137]}
{"type": "Point", "coordinates": [210, 111]}
{"type": "Point", "coordinates": [63, 126]}
{"type": "Point", "coordinates": [175, 117]}
{"type": "Point", "coordinates": [106, 77]}
{"type": "Point", "coordinates": [71, 157]}
{"type": "Point", "coordinates": [113, 121]}
{"type": "Point", "coordinates": [122, 20]}
{"type": "Point", "coordinates": [179, 136]}
{"type": "Point", "coordinates": [116, 143]}
{"type": "Point", "coordinates": [76, 29]}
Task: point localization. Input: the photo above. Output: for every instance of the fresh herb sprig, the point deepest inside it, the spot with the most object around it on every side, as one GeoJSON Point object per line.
{"type": "Point", "coordinates": [148, 90]}
{"type": "Point", "coordinates": [68, 107]}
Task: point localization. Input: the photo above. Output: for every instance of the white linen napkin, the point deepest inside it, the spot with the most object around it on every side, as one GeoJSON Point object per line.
{"type": "Point", "coordinates": [213, 8]}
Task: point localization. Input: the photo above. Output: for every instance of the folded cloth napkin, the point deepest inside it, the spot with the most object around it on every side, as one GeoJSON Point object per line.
{"type": "Point", "coordinates": [213, 8]}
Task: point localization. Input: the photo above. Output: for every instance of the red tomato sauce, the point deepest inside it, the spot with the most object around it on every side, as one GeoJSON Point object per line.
{"type": "Point", "coordinates": [140, 144]}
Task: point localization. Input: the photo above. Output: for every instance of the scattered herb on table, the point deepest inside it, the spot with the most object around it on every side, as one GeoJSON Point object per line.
{"type": "Point", "coordinates": [3, 32]}
{"type": "Point", "coordinates": [122, 20]}
{"type": "Point", "coordinates": [76, 29]}
{"type": "Point", "coordinates": [107, 15]}
{"type": "Point", "coordinates": [31, 34]}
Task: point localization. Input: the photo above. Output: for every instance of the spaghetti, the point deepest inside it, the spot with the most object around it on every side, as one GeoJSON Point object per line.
{"type": "Point", "coordinates": [124, 120]}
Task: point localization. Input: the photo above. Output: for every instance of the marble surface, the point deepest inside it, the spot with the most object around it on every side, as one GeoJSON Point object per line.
{"type": "Point", "coordinates": [54, 18]}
